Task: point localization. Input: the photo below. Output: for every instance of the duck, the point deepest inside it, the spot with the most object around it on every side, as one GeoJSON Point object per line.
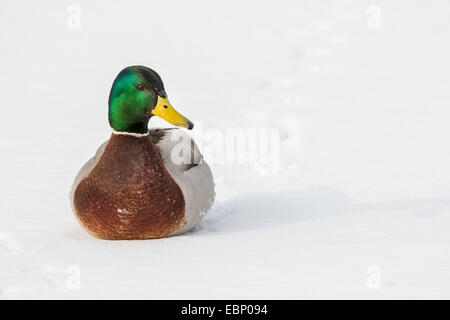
{"type": "Point", "coordinates": [142, 183]}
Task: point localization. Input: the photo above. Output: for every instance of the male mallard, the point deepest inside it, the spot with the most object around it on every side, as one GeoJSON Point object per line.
{"type": "Point", "coordinates": [136, 187]}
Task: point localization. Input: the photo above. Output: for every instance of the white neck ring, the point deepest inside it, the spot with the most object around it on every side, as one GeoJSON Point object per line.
{"type": "Point", "coordinates": [137, 135]}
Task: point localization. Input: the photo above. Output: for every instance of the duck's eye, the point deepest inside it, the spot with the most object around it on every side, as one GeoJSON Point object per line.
{"type": "Point", "coordinates": [140, 87]}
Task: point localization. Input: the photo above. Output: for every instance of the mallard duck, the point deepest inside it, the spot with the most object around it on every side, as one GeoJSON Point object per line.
{"type": "Point", "coordinates": [136, 187]}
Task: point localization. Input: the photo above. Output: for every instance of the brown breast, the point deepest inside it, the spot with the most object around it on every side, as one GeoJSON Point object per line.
{"type": "Point", "coordinates": [129, 194]}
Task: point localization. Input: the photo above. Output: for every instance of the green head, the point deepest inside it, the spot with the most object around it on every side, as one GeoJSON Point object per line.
{"type": "Point", "coordinates": [138, 94]}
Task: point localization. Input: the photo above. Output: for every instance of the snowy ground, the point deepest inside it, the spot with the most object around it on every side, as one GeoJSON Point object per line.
{"type": "Point", "coordinates": [359, 203]}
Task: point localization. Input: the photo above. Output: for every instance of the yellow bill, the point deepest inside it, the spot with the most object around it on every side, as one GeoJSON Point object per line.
{"type": "Point", "coordinates": [165, 111]}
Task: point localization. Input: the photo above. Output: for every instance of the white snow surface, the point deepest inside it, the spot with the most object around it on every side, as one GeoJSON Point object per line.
{"type": "Point", "coordinates": [358, 208]}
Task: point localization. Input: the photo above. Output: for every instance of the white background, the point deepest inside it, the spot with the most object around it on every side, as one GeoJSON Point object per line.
{"type": "Point", "coordinates": [359, 207]}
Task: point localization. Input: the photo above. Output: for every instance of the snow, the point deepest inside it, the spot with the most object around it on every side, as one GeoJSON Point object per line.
{"type": "Point", "coordinates": [358, 205]}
